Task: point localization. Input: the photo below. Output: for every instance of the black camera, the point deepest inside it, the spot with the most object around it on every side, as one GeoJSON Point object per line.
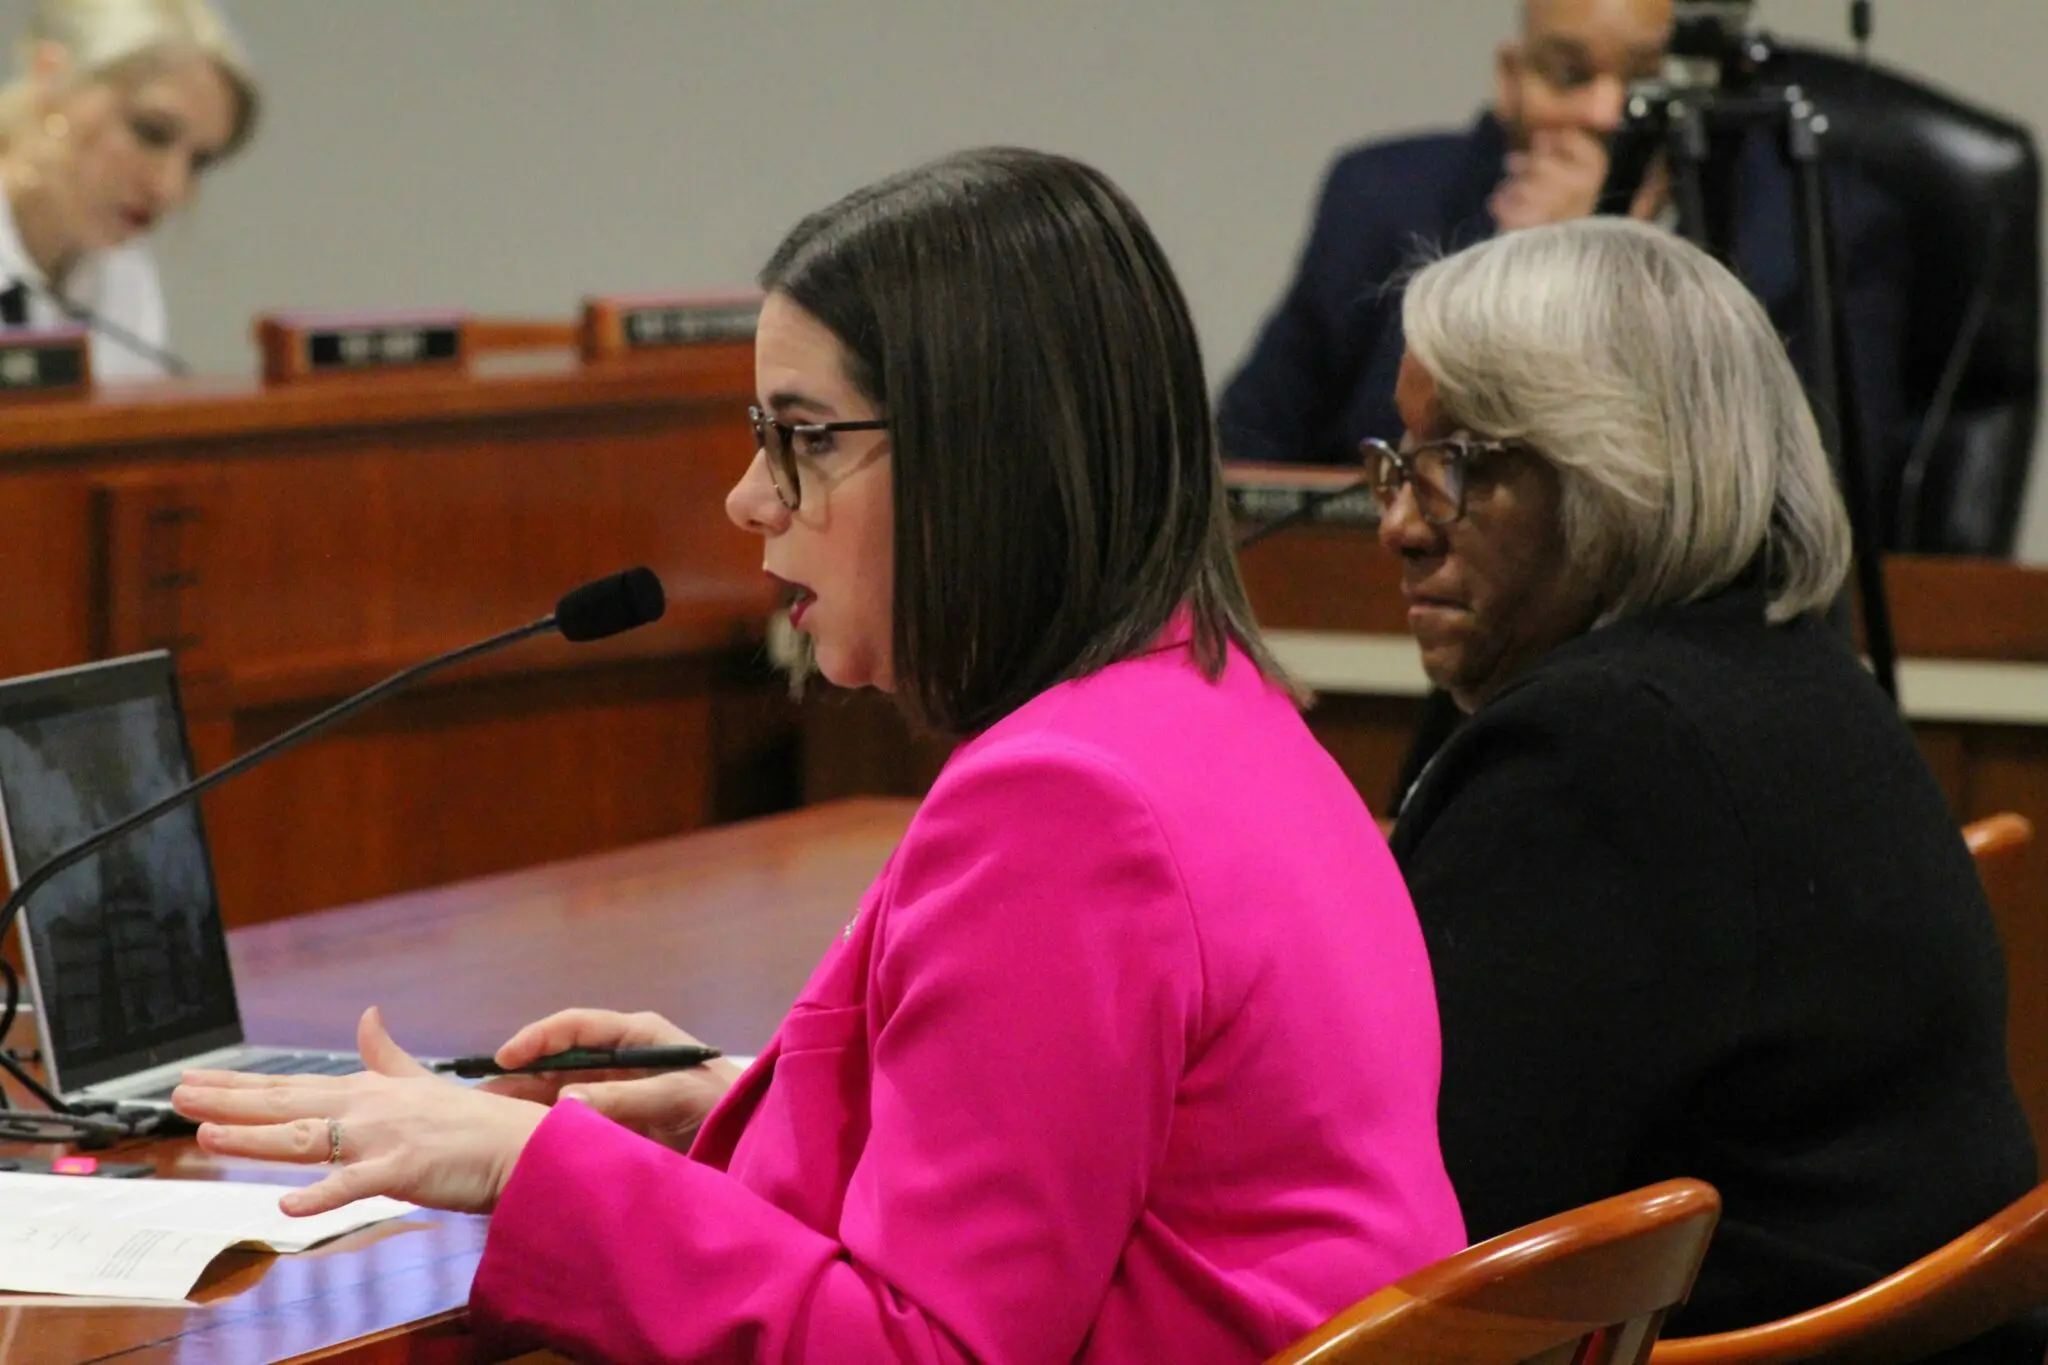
{"type": "Point", "coordinates": [1712, 45]}
{"type": "Point", "coordinates": [1713, 61]}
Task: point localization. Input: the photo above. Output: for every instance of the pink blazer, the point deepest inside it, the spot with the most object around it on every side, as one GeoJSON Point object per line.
{"type": "Point", "coordinates": [1130, 1053]}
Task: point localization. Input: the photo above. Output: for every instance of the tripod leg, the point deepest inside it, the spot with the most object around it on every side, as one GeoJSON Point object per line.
{"type": "Point", "coordinates": [1629, 153]}
{"type": "Point", "coordinates": [1688, 149]}
{"type": "Point", "coordinates": [1832, 384]}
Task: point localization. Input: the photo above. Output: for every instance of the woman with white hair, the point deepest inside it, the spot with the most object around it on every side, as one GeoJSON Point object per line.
{"type": "Point", "coordinates": [1695, 904]}
{"type": "Point", "coordinates": [118, 109]}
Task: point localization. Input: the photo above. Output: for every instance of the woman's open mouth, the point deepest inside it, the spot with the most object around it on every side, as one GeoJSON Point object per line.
{"type": "Point", "coordinates": [794, 598]}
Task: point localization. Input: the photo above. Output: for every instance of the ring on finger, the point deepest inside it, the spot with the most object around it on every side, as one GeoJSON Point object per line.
{"type": "Point", "coordinates": [334, 1142]}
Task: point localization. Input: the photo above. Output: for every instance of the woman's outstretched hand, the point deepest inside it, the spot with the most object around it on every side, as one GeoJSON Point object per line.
{"type": "Point", "coordinates": [393, 1129]}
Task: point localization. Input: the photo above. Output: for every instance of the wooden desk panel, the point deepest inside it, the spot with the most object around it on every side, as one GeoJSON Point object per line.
{"type": "Point", "coordinates": [294, 544]}
{"type": "Point", "coordinates": [362, 554]}
{"type": "Point", "coordinates": [145, 416]}
{"type": "Point", "coordinates": [1339, 578]}
{"type": "Point", "coordinates": [464, 779]}
{"type": "Point", "coordinates": [718, 930]}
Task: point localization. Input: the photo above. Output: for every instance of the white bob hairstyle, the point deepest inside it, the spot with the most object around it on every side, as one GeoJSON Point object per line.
{"type": "Point", "coordinates": [1643, 370]}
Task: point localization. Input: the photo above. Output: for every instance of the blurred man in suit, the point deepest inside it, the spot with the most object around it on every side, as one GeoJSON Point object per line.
{"type": "Point", "coordinates": [1320, 377]}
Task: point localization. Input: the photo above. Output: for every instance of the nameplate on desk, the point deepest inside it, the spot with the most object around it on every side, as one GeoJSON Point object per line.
{"type": "Point", "coordinates": [623, 326]}
{"type": "Point", "coordinates": [45, 363]}
{"type": "Point", "coordinates": [311, 345]}
{"type": "Point", "coordinates": [1254, 503]}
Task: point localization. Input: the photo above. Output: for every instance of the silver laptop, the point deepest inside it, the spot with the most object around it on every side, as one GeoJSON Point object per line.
{"type": "Point", "coordinates": [127, 957]}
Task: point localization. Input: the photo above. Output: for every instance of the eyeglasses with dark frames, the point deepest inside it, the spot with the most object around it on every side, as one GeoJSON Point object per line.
{"type": "Point", "coordinates": [1566, 66]}
{"type": "Point", "coordinates": [783, 442]}
{"type": "Point", "coordinates": [1436, 470]}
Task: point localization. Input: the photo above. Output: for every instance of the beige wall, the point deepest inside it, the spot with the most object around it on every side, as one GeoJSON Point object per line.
{"type": "Point", "coordinates": [509, 156]}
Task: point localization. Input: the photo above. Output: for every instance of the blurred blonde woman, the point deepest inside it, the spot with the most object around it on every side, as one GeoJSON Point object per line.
{"type": "Point", "coordinates": [117, 108]}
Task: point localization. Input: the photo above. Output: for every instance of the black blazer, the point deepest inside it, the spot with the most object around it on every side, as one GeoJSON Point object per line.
{"type": "Point", "coordinates": [1696, 907]}
{"type": "Point", "coordinates": [1320, 376]}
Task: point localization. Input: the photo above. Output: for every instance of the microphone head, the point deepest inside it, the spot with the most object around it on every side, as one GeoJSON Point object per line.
{"type": "Point", "coordinates": [606, 606]}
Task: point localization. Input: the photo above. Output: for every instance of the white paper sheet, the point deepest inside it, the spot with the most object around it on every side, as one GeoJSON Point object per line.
{"type": "Point", "coordinates": [148, 1239]}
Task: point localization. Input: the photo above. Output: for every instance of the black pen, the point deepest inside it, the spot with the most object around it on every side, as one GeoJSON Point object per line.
{"type": "Point", "coordinates": [585, 1059]}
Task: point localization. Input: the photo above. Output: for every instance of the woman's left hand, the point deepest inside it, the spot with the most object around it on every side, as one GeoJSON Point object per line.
{"type": "Point", "coordinates": [401, 1130]}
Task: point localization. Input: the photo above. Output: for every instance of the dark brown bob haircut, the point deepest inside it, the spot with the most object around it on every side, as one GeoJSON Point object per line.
{"type": "Point", "coordinates": [1057, 489]}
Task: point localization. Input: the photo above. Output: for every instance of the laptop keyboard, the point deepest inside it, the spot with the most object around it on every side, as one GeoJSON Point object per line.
{"type": "Point", "coordinates": [300, 1064]}
{"type": "Point", "coordinates": [276, 1064]}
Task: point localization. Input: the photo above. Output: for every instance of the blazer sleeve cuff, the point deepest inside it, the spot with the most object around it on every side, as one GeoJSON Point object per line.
{"type": "Point", "coordinates": [613, 1247]}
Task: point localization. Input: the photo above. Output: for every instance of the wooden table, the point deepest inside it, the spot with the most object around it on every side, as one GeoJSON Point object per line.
{"type": "Point", "coordinates": [294, 543]}
{"type": "Point", "coordinates": [718, 930]}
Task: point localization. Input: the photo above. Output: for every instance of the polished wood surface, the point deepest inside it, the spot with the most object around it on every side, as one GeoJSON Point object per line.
{"type": "Point", "coordinates": [158, 418]}
{"type": "Point", "coordinates": [718, 930]}
{"type": "Point", "coordinates": [292, 544]}
{"type": "Point", "coordinates": [1987, 1277]}
{"type": "Point", "coordinates": [251, 1307]}
{"type": "Point", "coordinates": [1591, 1286]}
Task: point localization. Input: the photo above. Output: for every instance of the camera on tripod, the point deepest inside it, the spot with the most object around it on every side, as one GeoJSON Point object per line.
{"type": "Point", "coordinates": [1710, 46]}
{"type": "Point", "coordinates": [1711, 99]}
{"type": "Point", "coordinates": [1700, 105]}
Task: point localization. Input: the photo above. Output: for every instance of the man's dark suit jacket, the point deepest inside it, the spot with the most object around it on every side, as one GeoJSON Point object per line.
{"type": "Point", "coordinates": [1321, 375]}
{"type": "Point", "coordinates": [1696, 907]}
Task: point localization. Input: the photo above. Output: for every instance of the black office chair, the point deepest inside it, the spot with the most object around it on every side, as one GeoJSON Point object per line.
{"type": "Point", "coordinates": [1969, 183]}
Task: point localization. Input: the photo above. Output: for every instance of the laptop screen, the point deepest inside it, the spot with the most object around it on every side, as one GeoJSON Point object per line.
{"type": "Point", "coordinates": [127, 958]}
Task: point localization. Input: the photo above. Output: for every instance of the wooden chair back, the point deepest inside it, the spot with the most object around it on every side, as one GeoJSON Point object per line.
{"type": "Point", "coordinates": [1996, 836]}
{"type": "Point", "coordinates": [1587, 1287]}
{"type": "Point", "coordinates": [1984, 1279]}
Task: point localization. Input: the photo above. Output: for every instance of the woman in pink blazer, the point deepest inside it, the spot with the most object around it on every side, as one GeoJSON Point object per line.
{"type": "Point", "coordinates": [1130, 1053]}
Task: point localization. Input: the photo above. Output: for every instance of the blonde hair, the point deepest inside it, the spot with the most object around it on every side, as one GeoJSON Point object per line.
{"type": "Point", "coordinates": [120, 41]}
{"type": "Point", "coordinates": [1654, 382]}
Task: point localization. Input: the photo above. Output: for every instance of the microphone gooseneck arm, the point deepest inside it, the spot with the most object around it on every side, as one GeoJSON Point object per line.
{"type": "Point", "coordinates": [85, 848]}
{"type": "Point", "coordinates": [95, 321]}
{"type": "Point", "coordinates": [598, 610]}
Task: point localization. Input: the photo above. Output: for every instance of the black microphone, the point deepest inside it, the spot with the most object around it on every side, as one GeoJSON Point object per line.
{"type": "Point", "coordinates": [20, 286]}
{"type": "Point", "coordinates": [608, 606]}
{"type": "Point", "coordinates": [604, 607]}
{"type": "Point", "coordinates": [1311, 503]}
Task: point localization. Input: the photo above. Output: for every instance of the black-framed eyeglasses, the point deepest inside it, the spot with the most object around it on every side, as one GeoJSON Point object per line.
{"type": "Point", "coordinates": [1436, 470]}
{"type": "Point", "coordinates": [1567, 68]}
{"type": "Point", "coordinates": [783, 442]}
